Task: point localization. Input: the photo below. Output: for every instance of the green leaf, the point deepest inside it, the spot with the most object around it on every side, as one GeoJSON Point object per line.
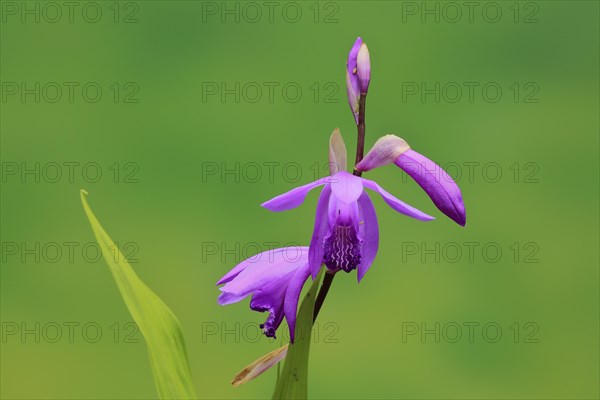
{"type": "Point", "coordinates": [156, 321]}
{"type": "Point", "coordinates": [293, 380]}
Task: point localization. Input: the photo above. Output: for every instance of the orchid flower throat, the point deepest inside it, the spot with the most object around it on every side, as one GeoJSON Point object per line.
{"type": "Point", "coordinates": [342, 247]}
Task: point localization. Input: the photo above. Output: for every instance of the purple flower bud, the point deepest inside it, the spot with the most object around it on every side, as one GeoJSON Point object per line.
{"type": "Point", "coordinates": [363, 68]}
{"type": "Point", "coordinates": [352, 85]}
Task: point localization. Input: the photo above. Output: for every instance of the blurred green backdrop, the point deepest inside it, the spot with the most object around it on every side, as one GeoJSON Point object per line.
{"type": "Point", "coordinates": [186, 157]}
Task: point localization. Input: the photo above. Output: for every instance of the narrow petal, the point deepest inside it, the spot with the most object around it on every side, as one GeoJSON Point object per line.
{"type": "Point", "coordinates": [396, 204]}
{"type": "Point", "coordinates": [370, 234]}
{"type": "Point", "coordinates": [385, 151]}
{"type": "Point", "coordinates": [436, 182]}
{"type": "Point", "coordinates": [293, 198]}
{"type": "Point", "coordinates": [346, 187]}
{"type": "Point", "coordinates": [337, 152]}
{"type": "Point", "coordinates": [315, 252]}
{"type": "Point", "coordinates": [292, 295]}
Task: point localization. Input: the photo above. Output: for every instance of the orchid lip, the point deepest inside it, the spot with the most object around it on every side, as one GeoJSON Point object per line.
{"type": "Point", "coordinates": [342, 249]}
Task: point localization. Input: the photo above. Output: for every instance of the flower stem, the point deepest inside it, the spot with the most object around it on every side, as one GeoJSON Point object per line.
{"type": "Point", "coordinates": [323, 293]}
{"type": "Point", "coordinates": [360, 143]}
{"type": "Point", "coordinates": [360, 150]}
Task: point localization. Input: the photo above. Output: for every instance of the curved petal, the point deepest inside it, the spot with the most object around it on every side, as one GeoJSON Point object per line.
{"type": "Point", "coordinates": [316, 248]}
{"type": "Point", "coordinates": [436, 182]}
{"type": "Point", "coordinates": [293, 198]}
{"type": "Point", "coordinates": [370, 234]}
{"type": "Point", "coordinates": [292, 295]}
{"type": "Point", "coordinates": [235, 271]}
{"type": "Point", "coordinates": [337, 153]}
{"type": "Point", "coordinates": [385, 151]}
{"type": "Point", "coordinates": [346, 187]}
{"type": "Point", "coordinates": [271, 298]}
{"type": "Point", "coordinates": [246, 263]}
{"type": "Point", "coordinates": [396, 204]}
{"type": "Point", "coordinates": [259, 271]}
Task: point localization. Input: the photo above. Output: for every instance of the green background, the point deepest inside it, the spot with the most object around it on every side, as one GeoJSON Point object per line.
{"type": "Point", "coordinates": [176, 212]}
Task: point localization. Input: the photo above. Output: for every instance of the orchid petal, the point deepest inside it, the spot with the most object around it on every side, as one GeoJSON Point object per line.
{"type": "Point", "coordinates": [346, 187]}
{"type": "Point", "coordinates": [370, 235]}
{"type": "Point", "coordinates": [363, 68]}
{"type": "Point", "coordinates": [337, 153]}
{"type": "Point", "coordinates": [436, 182]}
{"type": "Point", "coordinates": [232, 273]}
{"type": "Point", "coordinates": [292, 295]}
{"type": "Point", "coordinates": [385, 151]}
{"type": "Point", "coordinates": [257, 271]}
{"type": "Point", "coordinates": [396, 204]}
{"type": "Point", "coordinates": [293, 198]}
{"type": "Point", "coordinates": [316, 249]}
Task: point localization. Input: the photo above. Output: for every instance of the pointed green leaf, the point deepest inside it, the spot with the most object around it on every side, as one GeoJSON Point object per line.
{"type": "Point", "coordinates": [293, 381]}
{"type": "Point", "coordinates": [156, 321]}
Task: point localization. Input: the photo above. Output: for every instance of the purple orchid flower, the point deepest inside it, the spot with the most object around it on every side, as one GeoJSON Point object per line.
{"type": "Point", "coordinates": [346, 233]}
{"type": "Point", "coordinates": [275, 279]}
{"type": "Point", "coordinates": [436, 182]}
